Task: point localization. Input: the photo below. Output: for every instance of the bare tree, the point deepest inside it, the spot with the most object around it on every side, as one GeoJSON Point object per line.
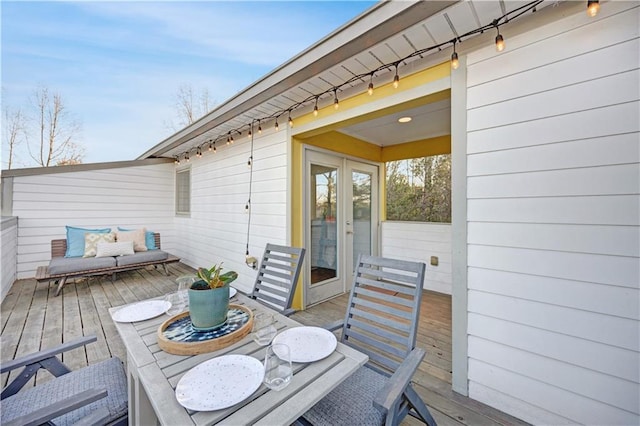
{"type": "Point", "coordinates": [189, 106]}
{"type": "Point", "coordinates": [56, 132]}
{"type": "Point", "coordinates": [14, 127]}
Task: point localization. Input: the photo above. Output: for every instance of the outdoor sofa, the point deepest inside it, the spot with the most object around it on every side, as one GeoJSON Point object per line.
{"type": "Point", "coordinates": [62, 266]}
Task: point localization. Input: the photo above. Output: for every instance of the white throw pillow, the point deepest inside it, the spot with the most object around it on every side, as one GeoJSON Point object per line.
{"type": "Point", "coordinates": [122, 248]}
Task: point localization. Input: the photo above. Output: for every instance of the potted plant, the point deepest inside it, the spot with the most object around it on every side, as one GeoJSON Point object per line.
{"type": "Point", "coordinates": [209, 298]}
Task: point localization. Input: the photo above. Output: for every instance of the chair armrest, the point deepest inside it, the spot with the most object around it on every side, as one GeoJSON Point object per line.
{"type": "Point", "coordinates": [333, 326]}
{"type": "Point", "coordinates": [47, 353]}
{"type": "Point", "coordinates": [59, 408]}
{"type": "Point", "coordinates": [398, 382]}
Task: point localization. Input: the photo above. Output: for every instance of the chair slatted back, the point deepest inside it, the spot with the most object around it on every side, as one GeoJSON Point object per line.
{"type": "Point", "coordinates": [278, 276]}
{"type": "Point", "coordinates": [383, 310]}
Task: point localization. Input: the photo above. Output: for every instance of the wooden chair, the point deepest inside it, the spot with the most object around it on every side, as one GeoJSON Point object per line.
{"type": "Point", "coordinates": [278, 276]}
{"type": "Point", "coordinates": [93, 395]}
{"type": "Point", "coordinates": [381, 321]}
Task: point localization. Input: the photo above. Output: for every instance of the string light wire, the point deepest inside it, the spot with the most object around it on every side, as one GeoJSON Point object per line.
{"type": "Point", "coordinates": [496, 23]}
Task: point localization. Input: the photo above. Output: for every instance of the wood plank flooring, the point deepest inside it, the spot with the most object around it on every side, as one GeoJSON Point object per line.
{"type": "Point", "coordinates": [32, 318]}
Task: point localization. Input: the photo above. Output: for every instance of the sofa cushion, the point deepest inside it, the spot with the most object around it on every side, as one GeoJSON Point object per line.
{"type": "Point", "coordinates": [137, 236]}
{"type": "Point", "coordinates": [122, 248]}
{"type": "Point", "coordinates": [141, 257]}
{"type": "Point", "coordinates": [75, 240]}
{"type": "Point", "coordinates": [92, 239]}
{"type": "Point", "coordinates": [65, 265]}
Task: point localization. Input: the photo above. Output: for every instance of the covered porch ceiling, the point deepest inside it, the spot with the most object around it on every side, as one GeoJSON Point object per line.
{"type": "Point", "coordinates": [384, 34]}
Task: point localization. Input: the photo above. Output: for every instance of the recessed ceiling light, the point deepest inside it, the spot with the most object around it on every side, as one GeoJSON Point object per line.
{"type": "Point", "coordinates": [404, 119]}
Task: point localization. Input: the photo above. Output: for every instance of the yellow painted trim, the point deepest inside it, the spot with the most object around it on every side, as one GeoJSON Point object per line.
{"type": "Point", "coordinates": [406, 83]}
{"type": "Point", "coordinates": [417, 149]}
{"type": "Point", "coordinates": [297, 212]}
{"type": "Point", "coordinates": [345, 144]}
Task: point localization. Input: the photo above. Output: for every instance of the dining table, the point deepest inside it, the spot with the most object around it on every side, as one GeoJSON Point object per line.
{"type": "Point", "coordinates": [153, 375]}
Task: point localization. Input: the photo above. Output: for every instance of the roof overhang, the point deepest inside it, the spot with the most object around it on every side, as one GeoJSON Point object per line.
{"type": "Point", "coordinates": [367, 30]}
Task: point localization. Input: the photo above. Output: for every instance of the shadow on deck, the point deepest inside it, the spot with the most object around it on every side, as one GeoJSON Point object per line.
{"type": "Point", "coordinates": [33, 319]}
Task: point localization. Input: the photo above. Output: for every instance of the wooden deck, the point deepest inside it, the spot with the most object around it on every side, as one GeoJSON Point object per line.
{"type": "Point", "coordinates": [33, 319]}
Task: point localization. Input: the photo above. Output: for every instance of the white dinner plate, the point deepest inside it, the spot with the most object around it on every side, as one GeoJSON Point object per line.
{"type": "Point", "coordinates": [307, 344]}
{"type": "Point", "coordinates": [232, 292]}
{"type": "Point", "coordinates": [219, 382]}
{"type": "Point", "coordinates": [141, 311]}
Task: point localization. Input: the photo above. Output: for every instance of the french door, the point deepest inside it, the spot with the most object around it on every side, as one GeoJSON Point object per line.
{"type": "Point", "coordinates": [341, 221]}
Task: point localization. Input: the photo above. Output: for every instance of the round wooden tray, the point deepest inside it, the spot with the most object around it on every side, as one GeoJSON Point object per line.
{"type": "Point", "coordinates": [177, 337]}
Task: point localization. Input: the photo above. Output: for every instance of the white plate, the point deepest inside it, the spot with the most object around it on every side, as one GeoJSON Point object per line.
{"type": "Point", "coordinates": [308, 344]}
{"type": "Point", "coordinates": [219, 383]}
{"type": "Point", "coordinates": [141, 311]}
{"type": "Point", "coordinates": [232, 292]}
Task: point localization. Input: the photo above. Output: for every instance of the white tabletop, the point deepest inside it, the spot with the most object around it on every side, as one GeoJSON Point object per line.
{"type": "Point", "coordinates": [158, 373]}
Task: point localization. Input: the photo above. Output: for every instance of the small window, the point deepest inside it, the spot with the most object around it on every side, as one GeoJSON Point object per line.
{"type": "Point", "coordinates": [183, 192]}
{"type": "Point", "coordinates": [419, 189]}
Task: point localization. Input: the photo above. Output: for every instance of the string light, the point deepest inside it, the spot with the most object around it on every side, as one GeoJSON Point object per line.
{"type": "Point", "coordinates": [247, 206]}
{"type": "Point", "coordinates": [249, 134]}
{"type": "Point", "coordinates": [177, 160]}
{"type": "Point", "coordinates": [593, 6]}
{"type": "Point", "coordinates": [276, 125]}
{"type": "Point", "coordinates": [199, 153]}
{"type": "Point", "coordinates": [250, 162]}
{"type": "Point", "coordinates": [396, 79]}
{"type": "Point", "coordinates": [210, 145]}
{"type": "Point", "coordinates": [455, 63]}
{"type": "Point", "coordinates": [499, 41]}
{"type": "Point", "coordinates": [592, 10]}
{"type": "Point", "coordinates": [336, 102]}
{"type": "Point", "coordinates": [214, 147]}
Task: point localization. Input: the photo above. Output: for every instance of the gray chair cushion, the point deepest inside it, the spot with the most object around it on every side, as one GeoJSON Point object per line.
{"type": "Point", "coordinates": [66, 265]}
{"type": "Point", "coordinates": [141, 257]}
{"type": "Point", "coordinates": [351, 402]}
{"type": "Point", "coordinates": [107, 375]}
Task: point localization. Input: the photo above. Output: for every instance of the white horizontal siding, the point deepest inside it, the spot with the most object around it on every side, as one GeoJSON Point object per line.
{"type": "Point", "coordinates": [129, 197]}
{"type": "Point", "coordinates": [216, 230]}
{"type": "Point", "coordinates": [419, 241]}
{"type": "Point", "coordinates": [8, 254]}
{"type": "Point", "coordinates": [553, 212]}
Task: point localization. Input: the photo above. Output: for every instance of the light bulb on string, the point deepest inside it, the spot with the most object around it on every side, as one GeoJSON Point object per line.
{"type": "Point", "coordinates": [250, 162]}
{"type": "Point", "coordinates": [210, 146]}
{"type": "Point", "coordinates": [214, 147]}
{"type": "Point", "coordinates": [186, 157]}
{"type": "Point", "coordinates": [336, 102]}
{"type": "Point", "coordinates": [249, 134]}
{"type": "Point", "coordinates": [455, 63]}
{"type": "Point", "coordinates": [370, 88]}
{"type": "Point", "coordinates": [230, 137]}
{"type": "Point", "coordinates": [396, 79]}
{"type": "Point", "coordinates": [177, 160]}
{"type": "Point", "coordinates": [315, 108]}
{"type": "Point", "coordinates": [276, 125]}
{"type": "Point", "coordinates": [247, 206]}
{"type": "Point", "coordinates": [290, 120]}
{"type": "Point", "coordinates": [199, 153]}
{"type": "Point", "coordinates": [593, 6]}
{"type": "Point", "coordinates": [499, 41]}
{"type": "Point", "coordinates": [259, 128]}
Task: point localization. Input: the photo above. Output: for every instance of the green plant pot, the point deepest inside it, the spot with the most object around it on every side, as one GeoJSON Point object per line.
{"type": "Point", "coordinates": [208, 308]}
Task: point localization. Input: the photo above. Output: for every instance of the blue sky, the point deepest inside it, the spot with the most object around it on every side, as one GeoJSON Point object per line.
{"type": "Point", "coordinates": [118, 65]}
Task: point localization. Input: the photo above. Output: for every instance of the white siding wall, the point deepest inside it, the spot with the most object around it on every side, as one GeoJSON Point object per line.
{"type": "Point", "coordinates": [130, 197]}
{"type": "Point", "coordinates": [553, 221]}
{"type": "Point", "coordinates": [216, 230]}
{"type": "Point", "coordinates": [8, 254]}
{"type": "Point", "coordinates": [419, 241]}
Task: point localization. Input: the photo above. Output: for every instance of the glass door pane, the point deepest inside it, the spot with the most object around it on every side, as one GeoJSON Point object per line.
{"type": "Point", "coordinates": [324, 229]}
{"type": "Point", "coordinates": [361, 210]}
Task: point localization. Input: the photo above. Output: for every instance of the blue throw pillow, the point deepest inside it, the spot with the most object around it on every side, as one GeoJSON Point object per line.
{"type": "Point", "coordinates": [75, 240]}
{"type": "Point", "coordinates": [149, 238]}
